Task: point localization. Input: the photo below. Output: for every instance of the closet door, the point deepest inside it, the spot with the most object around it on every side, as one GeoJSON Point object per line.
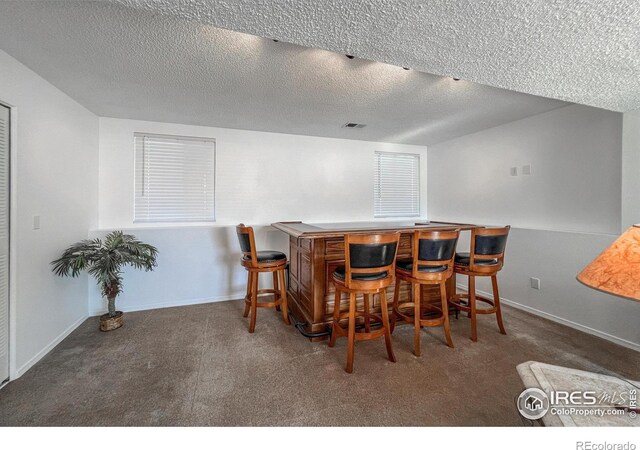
{"type": "Point", "coordinates": [4, 243]}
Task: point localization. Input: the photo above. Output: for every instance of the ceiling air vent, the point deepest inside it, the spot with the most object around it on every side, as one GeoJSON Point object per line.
{"type": "Point", "coordinates": [353, 125]}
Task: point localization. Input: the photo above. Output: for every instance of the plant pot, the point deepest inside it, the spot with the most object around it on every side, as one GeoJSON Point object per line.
{"type": "Point", "coordinates": [111, 323]}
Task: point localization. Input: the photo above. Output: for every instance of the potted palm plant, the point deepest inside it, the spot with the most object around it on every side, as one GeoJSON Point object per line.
{"type": "Point", "coordinates": [105, 260]}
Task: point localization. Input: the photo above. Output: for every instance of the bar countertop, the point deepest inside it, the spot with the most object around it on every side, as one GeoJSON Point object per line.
{"type": "Point", "coordinates": [318, 230]}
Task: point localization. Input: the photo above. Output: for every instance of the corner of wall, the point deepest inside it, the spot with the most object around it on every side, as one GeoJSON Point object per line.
{"type": "Point", "coordinates": [630, 169]}
{"type": "Point", "coordinates": [53, 176]}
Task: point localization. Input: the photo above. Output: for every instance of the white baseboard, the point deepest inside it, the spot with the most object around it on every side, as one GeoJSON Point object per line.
{"type": "Point", "coordinates": [561, 320]}
{"type": "Point", "coordinates": [170, 304]}
{"type": "Point", "coordinates": [42, 353]}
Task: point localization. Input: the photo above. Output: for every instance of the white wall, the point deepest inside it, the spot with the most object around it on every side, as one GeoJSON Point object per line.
{"type": "Point", "coordinates": [261, 178]}
{"type": "Point", "coordinates": [575, 157]}
{"type": "Point", "coordinates": [630, 169]}
{"type": "Point", "coordinates": [54, 175]}
{"type": "Point", "coordinates": [564, 214]}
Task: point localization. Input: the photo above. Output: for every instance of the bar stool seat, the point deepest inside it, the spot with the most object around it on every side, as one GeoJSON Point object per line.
{"type": "Point", "coordinates": [339, 275]}
{"type": "Point", "coordinates": [256, 262]}
{"type": "Point", "coordinates": [407, 266]}
{"type": "Point", "coordinates": [267, 256]}
{"type": "Point", "coordinates": [369, 270]}
{"type": "Point", "coordinates": [463, 259]}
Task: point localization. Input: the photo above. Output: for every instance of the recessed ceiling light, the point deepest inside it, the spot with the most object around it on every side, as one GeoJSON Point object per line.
{"type": "Point", "coordinates": [349, 56]}
{"type": "Point", "coordinates": [455, 79]}
{"type": "Point", "coordinates": [275, 40]}
{"type": "Point", "coordinates": [406, 68]}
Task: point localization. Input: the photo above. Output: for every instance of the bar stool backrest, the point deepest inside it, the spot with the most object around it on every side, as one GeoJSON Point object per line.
{"type": "Point", "coordinates": [434, 248]}
{"type": "Point", "coordinates": [488, 243]}
{"type": "Point", "coordinates": [370, 254]}
{"type": "Point", "coordinates": [247, 242]}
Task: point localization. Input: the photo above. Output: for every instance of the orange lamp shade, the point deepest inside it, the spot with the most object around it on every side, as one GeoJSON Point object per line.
{"type": "Point", "coordinates": [617, 269]}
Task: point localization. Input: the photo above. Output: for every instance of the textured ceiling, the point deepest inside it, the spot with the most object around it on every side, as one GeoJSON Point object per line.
{"type": "Point", "coordinates": [128, 62]}
{"type": "Point", "coordinates": [582, 51]}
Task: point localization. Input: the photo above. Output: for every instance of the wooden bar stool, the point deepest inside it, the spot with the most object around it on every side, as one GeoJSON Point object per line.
{"type": "Point", "coordinates": [485, 259]}
{"type": "Point", "coordinates": [432, 264]}
{"type": "Point", "coordinates": [369, 270]}
{"type": "Point", "coordinates": [256, 262]}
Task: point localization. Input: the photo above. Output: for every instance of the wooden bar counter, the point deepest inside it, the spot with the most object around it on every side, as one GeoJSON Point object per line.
{"type": "Point", "coordinates": [316, 250]}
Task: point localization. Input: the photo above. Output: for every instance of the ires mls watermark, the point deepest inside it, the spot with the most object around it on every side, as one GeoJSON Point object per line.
{"type": "Point", "coordinates": [534, 403]}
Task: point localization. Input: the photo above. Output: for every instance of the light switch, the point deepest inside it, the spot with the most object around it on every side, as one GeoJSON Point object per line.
{"type": "Point", "coordinates": [514, 171]}
{"type": "Point", "coordinates": [535, 282]}
{"type": "Point", "coordinates": [36, 222]}
{"type": "Point", "coordinates": [526, 170]}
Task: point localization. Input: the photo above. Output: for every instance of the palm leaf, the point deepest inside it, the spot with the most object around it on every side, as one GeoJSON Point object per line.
{"type": "Point", "coordinates": [104, 260]}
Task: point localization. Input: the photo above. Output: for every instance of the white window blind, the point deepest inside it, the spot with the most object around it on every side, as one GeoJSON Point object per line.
{"type": "Point", "coordinates": [396, 185]}
{"type": "Point", "coordinates": [174, 179]}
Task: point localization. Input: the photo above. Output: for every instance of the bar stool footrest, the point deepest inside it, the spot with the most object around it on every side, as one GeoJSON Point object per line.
{"type": "Point", "coordinates": [467, 308]}
{"type": "Point", "coordinates": [360, 334]}
{"type": "Point", "coordinates": [277, 302]}
{"type": "Point", "coordinates": [409, 315]}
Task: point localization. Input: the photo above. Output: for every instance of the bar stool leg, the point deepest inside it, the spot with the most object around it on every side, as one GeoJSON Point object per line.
{"type": "Point", "coordinates": [254, 302]}
{"type": "Point", "coordinates": [283, 296]}
{"type": "Point", "coordinates": [352, 332]}
{"type": "Point", "coordinates": [423, 305]}
{"type": "Point", "coordinates": [455, 292]}
{"type": "Point", "coordinates": [496, 301]}
{"type": "Point", "coordinates": [474, 291]}
{"type": "Point", "coordinates": [416, 319]}
{"type": "Point", "coordinates": [367, 323]}
{"type": "Point", "coordinates": [247, 299]}
{"type": "Point", "coordinates": [275, 288]}
{"type": "Point", "coordinates": [472, 306]}
{"type": "Point", "coordinates": [385, 324]}
{"type": "Point", "coordinates": [445, 313]}
{"type": "Point", "coordinates": [336, 319]}
{"type": "Point", "coordinates": [394, 308]}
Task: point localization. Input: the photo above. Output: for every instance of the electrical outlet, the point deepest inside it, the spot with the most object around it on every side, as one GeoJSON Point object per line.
{"type": "Point", "coordinates": [514, 171]}
{"type": "Point", "coordinates": [526, 170]}
{"type": "Point", "coordinates": [535, 283]}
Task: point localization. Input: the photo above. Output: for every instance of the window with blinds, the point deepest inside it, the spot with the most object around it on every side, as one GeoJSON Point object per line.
{"type": "Point", "coordinates": [174, 179]}
{"type": "Point", "coordinates": [396, 185]}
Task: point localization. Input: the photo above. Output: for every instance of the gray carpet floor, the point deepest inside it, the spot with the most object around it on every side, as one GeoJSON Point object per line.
{"type": "Point", "coordinates": [198, 365]}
